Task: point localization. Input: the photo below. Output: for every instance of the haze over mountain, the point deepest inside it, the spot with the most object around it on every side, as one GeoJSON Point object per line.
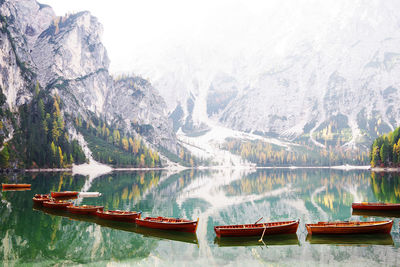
{"type": "Point", "coordinates": [303, 69]}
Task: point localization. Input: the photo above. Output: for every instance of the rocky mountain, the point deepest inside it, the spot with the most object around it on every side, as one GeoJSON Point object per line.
{"type": "Point", "coordinates": [329, 74]}
{"type": "Point", "coordinates": [65, 56]}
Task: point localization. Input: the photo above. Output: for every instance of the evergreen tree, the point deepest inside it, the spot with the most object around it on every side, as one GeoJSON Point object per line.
{"type": "Point", "coordinates": [4, 157]}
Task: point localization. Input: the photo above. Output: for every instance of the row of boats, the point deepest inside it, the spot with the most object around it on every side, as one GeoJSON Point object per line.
{"type": "Point", "coordinates": [243, 230]}
{"type": "Point", "coordinates": [53, 201]}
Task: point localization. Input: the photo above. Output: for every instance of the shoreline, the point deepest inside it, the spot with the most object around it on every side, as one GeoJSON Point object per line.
{"type": "Point", "coordinates": [385, 169]}
{"type": "Point", "coordinates": [181, 168]}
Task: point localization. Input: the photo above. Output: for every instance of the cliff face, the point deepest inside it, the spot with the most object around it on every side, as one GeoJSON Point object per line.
{"type": "Point", "coordinates": [134, 104]}
{"type": "Point", "coordinates": [21, 23]}
{"type": "Point", "coordinates": [65, 55]}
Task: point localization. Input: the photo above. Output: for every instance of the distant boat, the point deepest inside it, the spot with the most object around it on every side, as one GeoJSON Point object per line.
{"type": "Point", "coordinates": [64, 194]}
{"type": "Point", "coordinates": [271, 228]}
{"type": "Point", "coordinates": [84, 209]}
{"type": "Point", "coordinates": [89, 194]}
{"type": "Point", "coordinates": [56, 204]}
{"type": "Point", "coordinates": [353, 227]}
{"type": "Point", "coordinates": [164, 223]}
{"type": "Point", "coordinates": [119, 215]}
{"type": "Point", "coordinates": [375, 206]}
{"type": "Point", "coordinates": [16, 189]}
{"type": "Point", "coordinates": [7, 186]}
{"type": "Point", "coordinates": [40, 198]}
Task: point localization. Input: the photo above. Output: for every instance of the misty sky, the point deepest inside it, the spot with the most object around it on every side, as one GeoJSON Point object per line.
{"type": "Point", "coordinates": [154, 37]}
{"type": "Point", "coordinates": [138, 32]}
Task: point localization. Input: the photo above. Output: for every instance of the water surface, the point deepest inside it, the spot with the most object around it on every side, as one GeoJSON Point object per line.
{"type": "Point", "coordinates": [33, 236]}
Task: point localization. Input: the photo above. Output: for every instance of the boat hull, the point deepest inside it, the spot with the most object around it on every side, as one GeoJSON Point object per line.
{"type": "Point", "coordinates": [273, 228]}
{"type": "Point", "coordinates": [61, 205]}
{"type": "Point", "coordinates": [124, 216]}
{"type": "Point", "coordinates": [84, 209]}
{"type": "Point", "coordinates": [346, 228]}
{"type": "Point", "coordinates": [375, 206]}
{"type": "Point", "coordinates": [15, 185]}
{"type": "Point", "coordinates": [164, 224]}
{"type": "Point", "coordinates": [39, 199]}
{"type": "Point", "coordinates": [64, 194]}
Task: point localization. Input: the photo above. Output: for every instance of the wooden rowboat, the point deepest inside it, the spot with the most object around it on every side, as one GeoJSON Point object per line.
{"type": "Point", "coordinates": [119, 215]}
{"type": "Point", "coordinates": [16, 189]}
{"type": "Point", "coordinates": [327, 228]}
{"type": "Point", "coordinates": [64, 194]}
{"type": "Point", "coordinates": [56, 204]}
{"type": "Point", "coordinates": [257, 229]}
{"type": "Point", "coordinates": [164, 223]}
{"type": "Point", "coordinates": [84, 209]}
{"type": "Point", "coordinates": [40, 198]}
{"type": "Point", "coordinates": [15, 185]}
{"type": "Point", "coordinates": [375, 206]}
{"type": "Point", "coordinates": [149, 232]}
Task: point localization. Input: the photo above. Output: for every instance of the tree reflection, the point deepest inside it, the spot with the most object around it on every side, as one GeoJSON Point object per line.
{"type": "Point", "coordinates": [386, 186]}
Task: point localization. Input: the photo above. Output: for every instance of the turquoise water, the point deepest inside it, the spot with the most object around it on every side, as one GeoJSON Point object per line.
{"type": "Point", "coordinates": [34, 236]}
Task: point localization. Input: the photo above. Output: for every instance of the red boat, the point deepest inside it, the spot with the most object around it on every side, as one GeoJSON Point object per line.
{"type": "Point", "coordinates": [84, 209]}
{"type": "Point", "coordinates": [56, 204]}
{"type": "Point", "coordinates": [119, 215]}
{"type": "Point", "coordinates": [15, 185]}
{"type": "Point", "coordinates": [257, 229]}
{"type": "Point", "coordinates": [40, 198]}
{"type": "Point", "coordinates": [375, 206]}
{"type": "Point", "coordinates": [64, 194]}
{"type": "Point", "coordinates": [164, 223]}
{"type": "Point", "coordinates": [16, 189]}
{"type": "Point", "coordinates": [340, 228]}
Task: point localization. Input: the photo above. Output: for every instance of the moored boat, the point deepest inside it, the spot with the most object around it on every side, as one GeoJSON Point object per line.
{"type": "Point", "coordinates": [164, 223]}
{"type": "Point", "coordinates": [40, 198]}
{"type": "Point", "coordinates": [84, 209]}
{"type": "Point", "coordinates": [376, 206]}
{"type": "Point", "coordinates": [257, 229]}
{"type": "Point", "coordinates": [6, 186]}
{"type": "Point", "coordinates": [16, 189]}
{"type": "Point", "coordinates": [89, 194]}
{"type": "Point", "coordinates": [56, 204]}
{"type": "Point", "coordinates": [353, 227]}
{"type": "Point", "coordinates": [119, 215]}
{"type": "Point", "coordinates": [64, 194]}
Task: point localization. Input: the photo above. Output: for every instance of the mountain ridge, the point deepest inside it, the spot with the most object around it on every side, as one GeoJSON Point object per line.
{"type": "Point", "coordinates": [64, 56]}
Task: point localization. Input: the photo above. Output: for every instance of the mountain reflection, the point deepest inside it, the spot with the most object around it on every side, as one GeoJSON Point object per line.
{"type": "Point", "coordinates": [217, 197]}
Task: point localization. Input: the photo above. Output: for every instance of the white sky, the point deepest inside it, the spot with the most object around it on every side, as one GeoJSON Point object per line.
{"type": "Point", "coordinates": [145, 30]}
{"type": "Point", "coordinates": [150, 37]}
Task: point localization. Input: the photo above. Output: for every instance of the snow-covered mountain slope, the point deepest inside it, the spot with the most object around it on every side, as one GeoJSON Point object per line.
{"type": "Point", "coordinates": [296, 68]}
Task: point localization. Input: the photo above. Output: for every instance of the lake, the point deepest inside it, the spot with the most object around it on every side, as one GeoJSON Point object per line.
{"type": "Point", "coordinates": [34, 236]}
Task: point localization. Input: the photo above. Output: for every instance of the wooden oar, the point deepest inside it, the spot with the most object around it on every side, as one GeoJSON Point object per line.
{"type": "Point", "coordinates": [258, 220]}
{"type": "Point", "coordinates": [265, 228]}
